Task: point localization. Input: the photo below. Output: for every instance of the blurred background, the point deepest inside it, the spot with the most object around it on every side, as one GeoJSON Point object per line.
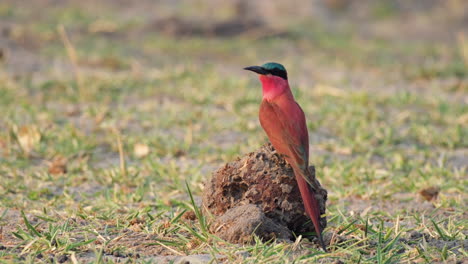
{"type": "Point", "coordinates": [238, 32]}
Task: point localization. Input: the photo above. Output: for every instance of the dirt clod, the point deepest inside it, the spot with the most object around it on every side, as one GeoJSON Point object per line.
{"type": "Point", "coordinates": [189, 215]}
{"type": "Point", "coordinates": [58, 166]}
{"type": "Point", "coordinates": [430, 193]}
{"type": "Point", "coordinates": [258, 194]}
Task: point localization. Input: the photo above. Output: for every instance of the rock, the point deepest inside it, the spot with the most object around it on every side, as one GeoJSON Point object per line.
{"type": "Point", "coordinates": [258, 194]}
{"type": "Point", "coordinates": [239, 223]}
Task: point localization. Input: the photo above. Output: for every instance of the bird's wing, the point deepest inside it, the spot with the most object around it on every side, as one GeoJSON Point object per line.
{"type": "Point", "coordinates": [286, 128]}
{"type": "Point", "coordinates": [284, 123]}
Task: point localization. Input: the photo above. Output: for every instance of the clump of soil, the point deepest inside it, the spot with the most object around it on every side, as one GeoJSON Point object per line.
{"type": "Point", "coordinates": [258, 194]}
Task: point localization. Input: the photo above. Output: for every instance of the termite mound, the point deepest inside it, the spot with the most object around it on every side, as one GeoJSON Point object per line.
{"type": "Point", "coordinates": [258, 194]}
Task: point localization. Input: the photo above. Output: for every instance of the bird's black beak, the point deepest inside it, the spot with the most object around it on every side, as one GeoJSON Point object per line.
{"type": "Point", "coordinates": [257, 69]}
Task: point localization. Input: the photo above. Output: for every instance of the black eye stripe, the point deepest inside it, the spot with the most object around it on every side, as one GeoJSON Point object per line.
{"type": "Point", "coordinates": [278, 72]}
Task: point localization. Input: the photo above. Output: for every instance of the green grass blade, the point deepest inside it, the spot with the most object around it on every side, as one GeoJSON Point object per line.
{"type": "Point", "coordinates": [31, 228]}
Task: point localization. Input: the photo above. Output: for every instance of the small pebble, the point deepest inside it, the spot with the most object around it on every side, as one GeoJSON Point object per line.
{"type": "Point", "coordinates": [62, 258]}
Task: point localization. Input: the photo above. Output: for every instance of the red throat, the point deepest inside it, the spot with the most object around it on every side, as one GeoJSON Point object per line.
{"type": "Point", "coordinates": [273, 86]}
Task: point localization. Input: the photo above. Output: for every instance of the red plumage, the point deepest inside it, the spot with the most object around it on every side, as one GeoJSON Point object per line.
{"type": "Point", "coordinates": [284, 122]}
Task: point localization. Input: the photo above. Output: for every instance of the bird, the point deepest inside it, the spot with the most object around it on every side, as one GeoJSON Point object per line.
{"type": "Point", "coordinates": [285, 125]}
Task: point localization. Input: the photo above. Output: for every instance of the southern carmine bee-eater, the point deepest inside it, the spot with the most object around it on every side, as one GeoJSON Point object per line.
{"type": "Point", "coordinates": [284, 123]}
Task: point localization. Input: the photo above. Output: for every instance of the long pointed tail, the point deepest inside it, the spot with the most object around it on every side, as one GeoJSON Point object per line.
{"type": "Point", "coordinates": [310, 203]}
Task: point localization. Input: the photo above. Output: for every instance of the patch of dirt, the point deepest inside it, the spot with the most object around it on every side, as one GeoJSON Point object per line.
{"type": "Point", "coordinates": [175, 26]}
{"type": "Point", "coordinates": [398, 203]}
{"type": "Point", "coordinates": [135, 244]}
{"type": "Point", "coordinates": [8, 224]}
{"type": "Point", "coordinates": [258, 192]}
{"type": "Point", "coordinates": [245, 22]}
